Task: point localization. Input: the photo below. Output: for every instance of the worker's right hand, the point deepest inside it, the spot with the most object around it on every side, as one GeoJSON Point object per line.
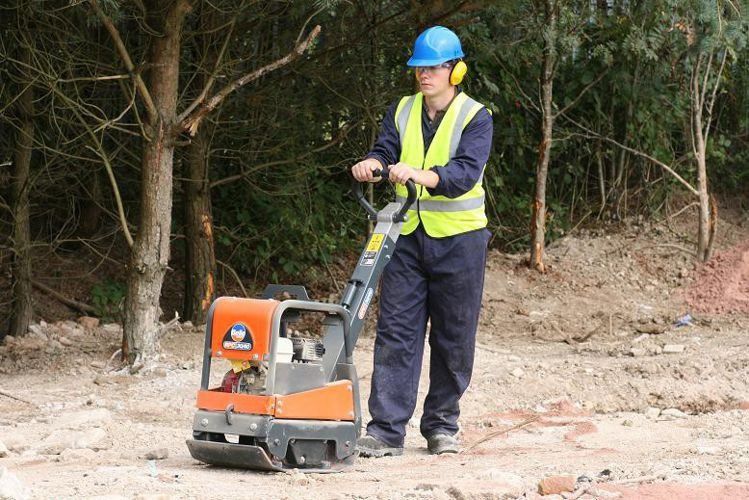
{"type": "Point", "coordinates": [362, 171]}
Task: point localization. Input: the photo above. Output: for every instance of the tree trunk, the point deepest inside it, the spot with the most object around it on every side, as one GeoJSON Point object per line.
{"type": "Point", "coordinates": [200, 258]}
{"type": "Point", "coordinates": [150, 253]}
{"type": "Point", "coordinates": [538, 218]}
{"type": "Point", "coordinates": [700, 149]}
{"type": "Point", "coordinates": [22, 309]}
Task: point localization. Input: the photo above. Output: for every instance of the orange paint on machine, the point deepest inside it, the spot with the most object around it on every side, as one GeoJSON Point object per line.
{"type": "Point", "coordinates": [241, 328]}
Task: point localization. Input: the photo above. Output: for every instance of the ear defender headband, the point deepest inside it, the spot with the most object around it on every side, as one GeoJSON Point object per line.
{"type": "Point", "coordinates": [458, 72]}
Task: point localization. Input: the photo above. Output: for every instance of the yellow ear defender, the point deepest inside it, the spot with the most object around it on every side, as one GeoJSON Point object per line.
{"type": "Point", "coordinates": [458, 72]}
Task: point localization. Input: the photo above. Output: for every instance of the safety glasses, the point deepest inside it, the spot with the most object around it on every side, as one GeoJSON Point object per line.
{"type": "Point", "coordinates": [433, 69]}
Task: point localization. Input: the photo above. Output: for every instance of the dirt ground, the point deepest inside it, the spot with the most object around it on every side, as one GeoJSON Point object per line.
{"type": "Point", "coordinates": [588, 360]}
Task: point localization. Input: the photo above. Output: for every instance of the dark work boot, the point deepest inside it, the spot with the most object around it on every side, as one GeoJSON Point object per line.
{"type": "Point", "coordinates": [439, 443]}
{"type": "Point", "coordinates": [370, 446]}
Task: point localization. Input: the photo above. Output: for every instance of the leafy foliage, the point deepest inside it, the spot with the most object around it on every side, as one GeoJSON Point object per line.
{"type": "Point", "coordinates": [280, 148]}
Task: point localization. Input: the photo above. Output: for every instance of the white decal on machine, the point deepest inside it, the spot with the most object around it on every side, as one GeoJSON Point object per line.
{"type": "Point", "coordinates": [365, 304]}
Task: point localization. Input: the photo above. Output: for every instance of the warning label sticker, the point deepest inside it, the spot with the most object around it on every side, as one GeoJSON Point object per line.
{"type": "Point", "coordinates": [376, 242]}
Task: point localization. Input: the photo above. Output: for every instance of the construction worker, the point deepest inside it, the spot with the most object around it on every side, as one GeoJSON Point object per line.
{"type": "Point", "coordinates": [440, 138]}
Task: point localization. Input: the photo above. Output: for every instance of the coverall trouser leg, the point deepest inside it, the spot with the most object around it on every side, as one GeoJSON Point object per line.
{"type": "Point", "coordinates": [427, 278]}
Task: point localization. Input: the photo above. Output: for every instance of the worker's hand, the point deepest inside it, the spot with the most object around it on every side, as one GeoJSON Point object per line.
{"type": "Point", "coordinates": [400, 173]}
{"type": "Point", "coordinates": [362, 171]}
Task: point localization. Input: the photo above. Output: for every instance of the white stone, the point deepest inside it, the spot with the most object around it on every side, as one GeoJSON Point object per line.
{"type": "Point", "coordinates": [708, 450]}
{"type": "Point", "coordinates": [674, 413]}
{"type": "Point", "coordinates": [673, 348]}
{"type": "Point", "coordinates": [63, 439]}
{"type": "Point", "coordinates": [638, 352]}
{"type": "Point", "coordinates": [652, 412]}
{"type": "Point", "coordinates": [517, 372]}
{"type": "Point", "coordinates": [112, 328]}
{"type": "Point", "coordinates": [3, 450]}
{"type": "Point", "coordinates": [16, 442]}
{"type": "Point", "coordinates": [10, 486]}
{"type": "Point", "coordinates": [36, 332]}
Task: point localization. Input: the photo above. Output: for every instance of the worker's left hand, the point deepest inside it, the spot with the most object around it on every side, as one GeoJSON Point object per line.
{"type": "Point", "coordinates": [401, 172]}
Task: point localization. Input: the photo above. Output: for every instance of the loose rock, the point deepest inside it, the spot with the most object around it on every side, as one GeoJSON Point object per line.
{"type": "Point", "coordinates": [10, 486]}
{"type": "Point", "coordinates": [673, 413]}
{"type": "Point", "coordinates": [3, 450]}
{"type": "Point", "coordinates": [651, 329]}
{"type": "Point", "coordinates": [638, 352]}
{"type": "Point", "coordinates": [157, 454]}
{"type": "Point", "coordinates": [63, 439]}
{"type": "Point", "coordinates": [652, 412]}
{"type": "Point", "coordinates": [88, 322]}
{"type": "Point", "coordinates": [555, 485]}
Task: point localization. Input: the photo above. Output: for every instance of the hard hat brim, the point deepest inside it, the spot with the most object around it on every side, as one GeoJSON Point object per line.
{"type": "Point", "coordinates": [428, 62]}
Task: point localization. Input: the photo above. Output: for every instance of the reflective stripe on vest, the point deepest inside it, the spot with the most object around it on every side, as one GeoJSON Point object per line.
{"type": "Point", "coordinates": [440, 216]}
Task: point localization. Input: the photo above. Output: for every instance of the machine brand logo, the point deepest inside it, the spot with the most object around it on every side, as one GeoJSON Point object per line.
{"type": "Point", "coordinates": [238, 332]}
{"type": "Point", "coordinates": [238, 338]}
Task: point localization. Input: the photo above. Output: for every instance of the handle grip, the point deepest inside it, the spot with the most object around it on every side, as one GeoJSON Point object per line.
{"type": "Point", "coordinates": [384, 173]}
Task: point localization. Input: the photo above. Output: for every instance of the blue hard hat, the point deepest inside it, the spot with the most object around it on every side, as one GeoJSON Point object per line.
{"type": "Point", "coordinates": [435, 46]}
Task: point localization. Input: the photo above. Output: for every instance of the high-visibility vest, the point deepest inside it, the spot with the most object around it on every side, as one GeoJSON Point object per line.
{"type": "Point", "coordinates": [441, 216]}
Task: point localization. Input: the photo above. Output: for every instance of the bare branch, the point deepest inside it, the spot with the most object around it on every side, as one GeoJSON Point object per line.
{"type": "Point", "coordinates": [99, 151]}
{"type": "Point", "coordinates": [211, 79]}
{"type": "Point", "coordinates": [192, 122]}
{"type": "Point", "coordinates": [153, 114]}
{"type": "Point", "coordinates": [711, 104]}
{"type": "Point", "coordinates": [590, 134]}
{"type": "Point", "coordinates": [78, 306]}
{"type": "Point", "coordinates": [342, 135]}
{"type": "Point", "coordinates": [581, 94]}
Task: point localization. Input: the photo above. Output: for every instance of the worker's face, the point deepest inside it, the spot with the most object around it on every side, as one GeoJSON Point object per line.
{"type": "Point", "coordinates": [434, 80]}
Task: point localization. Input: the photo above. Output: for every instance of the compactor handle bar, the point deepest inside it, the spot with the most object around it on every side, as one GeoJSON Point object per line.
{"type": "Point", "coordinates": [384, 172]}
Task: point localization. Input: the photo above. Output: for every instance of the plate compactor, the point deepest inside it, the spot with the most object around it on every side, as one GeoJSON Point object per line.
{"type": "Point", "coordinates": [290, 402]}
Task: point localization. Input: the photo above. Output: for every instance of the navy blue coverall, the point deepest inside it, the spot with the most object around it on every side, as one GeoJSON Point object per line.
{"type": "Point", "coordinates": [429, 279]}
